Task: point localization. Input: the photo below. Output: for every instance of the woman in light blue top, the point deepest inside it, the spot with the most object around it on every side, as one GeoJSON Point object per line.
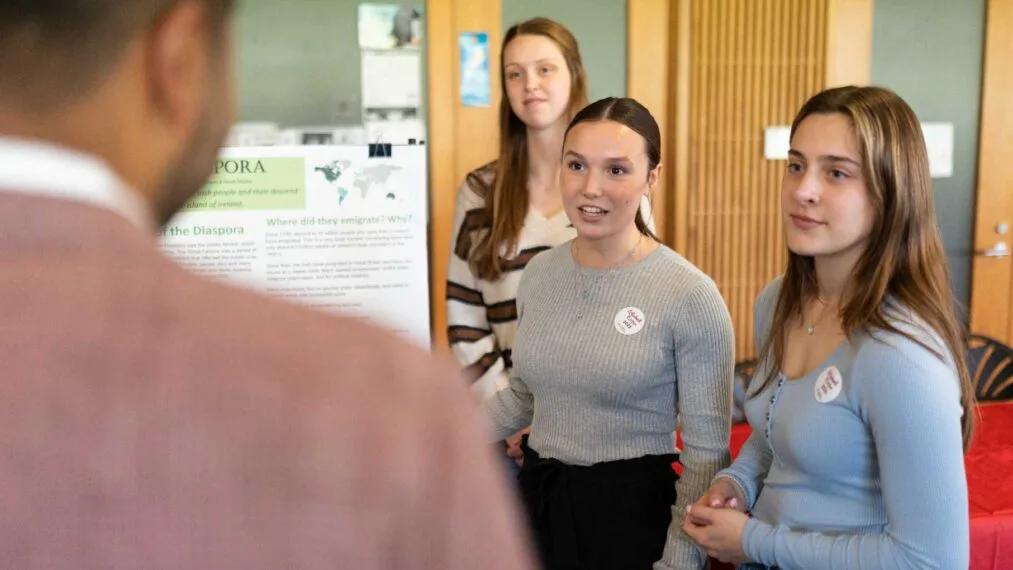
{"type": "Point", "coordinates": [862, 406]}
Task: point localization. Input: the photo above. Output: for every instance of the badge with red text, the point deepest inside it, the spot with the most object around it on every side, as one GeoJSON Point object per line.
{"type": "Point", "coordinates": [629, 320]}
{"type": "Point", "coordinates": [828, 385]}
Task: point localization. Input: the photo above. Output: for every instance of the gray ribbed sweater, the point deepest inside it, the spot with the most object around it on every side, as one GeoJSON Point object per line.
{"type": "Point", "coordinates": [596, 385]}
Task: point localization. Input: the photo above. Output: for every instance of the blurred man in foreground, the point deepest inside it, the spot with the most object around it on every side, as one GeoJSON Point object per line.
{"type": "Point", "coordinates": [154, 419]}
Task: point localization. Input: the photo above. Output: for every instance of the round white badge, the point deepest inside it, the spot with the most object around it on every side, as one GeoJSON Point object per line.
{"type": "Point", "coordinates": [828, 385]}
{"type": "Point", "coordinates": [629, 320]}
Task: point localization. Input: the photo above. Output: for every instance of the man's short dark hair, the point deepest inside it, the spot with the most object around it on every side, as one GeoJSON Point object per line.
{"type": "Point", "coordinates": [52, 50]}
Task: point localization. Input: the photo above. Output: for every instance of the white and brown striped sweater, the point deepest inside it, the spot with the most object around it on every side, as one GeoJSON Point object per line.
{"type": "Point", "coordinates": [481, 314]}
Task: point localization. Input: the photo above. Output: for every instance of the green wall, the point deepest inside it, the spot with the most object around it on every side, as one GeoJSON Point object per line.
{"type": "Point", "coordinates": [930, 53]}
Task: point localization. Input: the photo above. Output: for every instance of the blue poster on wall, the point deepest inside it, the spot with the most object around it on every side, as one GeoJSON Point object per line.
{"type": "Point", "coordinates": [476, 85]}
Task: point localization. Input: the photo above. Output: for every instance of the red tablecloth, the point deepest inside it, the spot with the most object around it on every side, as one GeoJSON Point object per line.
{"type": "Point", "coordinates": [989, 465]}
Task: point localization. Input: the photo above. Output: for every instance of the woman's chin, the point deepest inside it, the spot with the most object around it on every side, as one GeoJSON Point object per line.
{"type": "Point", "coordinates": [804, 247]}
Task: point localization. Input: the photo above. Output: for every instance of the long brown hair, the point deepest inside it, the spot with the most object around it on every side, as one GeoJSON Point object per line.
{"type": "Point", "coordinates": [506, 199]}
{"type": "Point", "coordinates": [631, 113]}
{"type": "Point", "coordinates": [904, 265]}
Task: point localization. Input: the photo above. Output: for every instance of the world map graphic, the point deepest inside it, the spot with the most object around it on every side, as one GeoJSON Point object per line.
{"type": "Point", "coordinates": [348, 176]}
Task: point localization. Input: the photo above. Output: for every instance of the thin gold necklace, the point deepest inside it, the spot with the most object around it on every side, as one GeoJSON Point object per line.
{"type": "Point", "coordinates": [576, 253]}
{"type": "Point", "coordinates": [583, 291]}
{"type": "Point", "coordinates": [811, 326]}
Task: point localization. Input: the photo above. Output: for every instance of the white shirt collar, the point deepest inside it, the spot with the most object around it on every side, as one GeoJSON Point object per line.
{"type": "Point", "coordinates": [44, 169]}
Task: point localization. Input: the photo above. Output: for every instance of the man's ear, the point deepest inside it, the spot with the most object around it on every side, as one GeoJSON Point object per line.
{"type": "Point", "coordinates": [177, 64]}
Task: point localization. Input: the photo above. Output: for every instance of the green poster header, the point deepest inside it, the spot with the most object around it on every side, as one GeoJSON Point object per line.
{"type": "Point", "coordinates": [239, 184]}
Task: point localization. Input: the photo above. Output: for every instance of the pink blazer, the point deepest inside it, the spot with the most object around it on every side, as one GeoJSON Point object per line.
{"type": "Point", "coordinates": [154, 419]}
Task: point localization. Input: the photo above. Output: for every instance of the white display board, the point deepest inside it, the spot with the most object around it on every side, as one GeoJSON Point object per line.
{"type": "Point", "coordinates": [330, 227]}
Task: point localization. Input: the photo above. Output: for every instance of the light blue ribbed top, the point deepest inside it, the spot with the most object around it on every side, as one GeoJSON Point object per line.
{"type": "Point", "coordinates": [867, 474]}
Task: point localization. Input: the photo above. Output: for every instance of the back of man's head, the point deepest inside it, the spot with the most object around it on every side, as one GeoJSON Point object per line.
{"type": "Point", "coordinates": [114, 77]}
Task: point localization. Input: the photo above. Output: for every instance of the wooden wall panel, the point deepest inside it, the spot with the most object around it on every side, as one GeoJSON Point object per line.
{"type": "Point", "coordinates": [848, 42]}
{"type": "Point", "coordinates": [681, 95]}
{"type": "Point", "coordinates": [441, 46]}
{"type": "Point", "coordinates": [647, 44]}
{"type": "Point", "coordinates": [752, 63]}
{"type": "Point", "coordinates": [460, 138]}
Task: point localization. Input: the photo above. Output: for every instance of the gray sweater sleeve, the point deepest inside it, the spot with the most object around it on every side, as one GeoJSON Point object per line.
{"type": "Point", "coordinates": [753, 460]}
{"type": "Point", "coordinates": [511, 409]}
{"type": "Point", "coordinates": [705, 362]}
{"type": "Point", "coordinates": [750, 468]}
{"type": "Point", "coordinates": [910, 401]}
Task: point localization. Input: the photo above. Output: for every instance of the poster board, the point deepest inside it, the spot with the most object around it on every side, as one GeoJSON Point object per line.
{"type": "Point", "coordinates": [336, 228]}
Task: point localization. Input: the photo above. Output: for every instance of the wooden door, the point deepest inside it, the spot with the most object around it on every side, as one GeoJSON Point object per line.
{"type": "Point", "coordinates": [991, 273]}
{"type": "Point", "coordinates": [461, 138]}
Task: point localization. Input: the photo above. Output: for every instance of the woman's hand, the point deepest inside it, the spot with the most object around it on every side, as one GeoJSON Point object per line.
{"type": "Point", "coordinates": [718, 531]}
{"type": "Point", "coordinates": [514, 446]}
{"type": "Point", "coordinates": [723, 494]}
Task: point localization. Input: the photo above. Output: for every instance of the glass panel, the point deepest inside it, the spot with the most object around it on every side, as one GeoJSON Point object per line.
{"type": "Point", "coordinates": [341, 72]}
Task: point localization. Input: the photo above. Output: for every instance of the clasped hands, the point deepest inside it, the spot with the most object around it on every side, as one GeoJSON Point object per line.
{"type": "Point", "coordinates": [716, 522]}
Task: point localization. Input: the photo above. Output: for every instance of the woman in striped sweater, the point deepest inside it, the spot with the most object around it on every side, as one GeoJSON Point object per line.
{"type": "Point", "coordinates": [509, 210]}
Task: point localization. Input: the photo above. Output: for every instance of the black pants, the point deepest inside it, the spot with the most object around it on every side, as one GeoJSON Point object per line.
{"type": "Point", "coordinates": [608, 516]}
